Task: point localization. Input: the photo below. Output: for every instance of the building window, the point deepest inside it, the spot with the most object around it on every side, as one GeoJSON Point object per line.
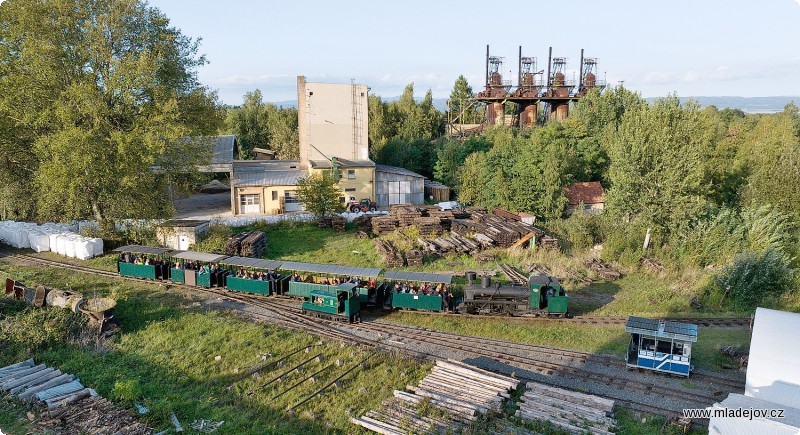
{"type": "Point", "coordinates": [341, 199]}
{"type": "Point", "coordinates": [351, 174]}
{"type": "Point", "coordinates": [290, 197]}
{"type": "Point", "coordinates": [350, 189]}
{"type": "Point", "coordinates": [274, 195]}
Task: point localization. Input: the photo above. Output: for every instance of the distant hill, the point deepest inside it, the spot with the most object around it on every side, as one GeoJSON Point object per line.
{"type": "Point", "coordinates": [745, 104]}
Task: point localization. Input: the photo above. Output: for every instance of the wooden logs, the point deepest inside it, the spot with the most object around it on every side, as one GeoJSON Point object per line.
{"type": "Point", "coordinates": [572, 411]}
{"type": "Point", "coordinates": [391, 256]}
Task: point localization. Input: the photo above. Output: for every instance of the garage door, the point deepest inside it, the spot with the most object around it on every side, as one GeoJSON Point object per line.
{"type": "Point", "coordinates": [399, 192]}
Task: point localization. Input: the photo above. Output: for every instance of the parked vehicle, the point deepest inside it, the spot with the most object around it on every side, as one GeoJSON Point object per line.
{"type": "Point", "coordinates": [364, 205]}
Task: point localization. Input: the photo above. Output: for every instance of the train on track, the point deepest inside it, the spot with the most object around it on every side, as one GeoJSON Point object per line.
{"type": "Point", "coordinates": [340, 292]}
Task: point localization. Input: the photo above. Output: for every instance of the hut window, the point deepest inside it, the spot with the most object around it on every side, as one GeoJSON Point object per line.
{"type": "Point", "coordinates": [274, 195]}
{"type": "Point", "coordinates": [351, 174]}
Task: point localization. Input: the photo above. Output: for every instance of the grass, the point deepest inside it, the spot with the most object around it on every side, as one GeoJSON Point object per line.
{"type": "Point", "coordinates": [165, 359]}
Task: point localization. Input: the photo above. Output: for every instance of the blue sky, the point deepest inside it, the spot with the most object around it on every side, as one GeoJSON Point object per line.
{"type": "Point", "coordinates": [694, 48]}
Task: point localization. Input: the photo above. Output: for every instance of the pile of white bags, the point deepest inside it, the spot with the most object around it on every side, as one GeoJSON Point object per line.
{"type": "Point", "coordinates": [50, 237]}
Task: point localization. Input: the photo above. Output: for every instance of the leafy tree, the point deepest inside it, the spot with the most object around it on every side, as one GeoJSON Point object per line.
{"type": "Point", "coordinates": [458, 102]}
{"type": "Point", "coordinates": [754, 276]}
{"type": "Point", "coordinates": [657, 168]}
{"type": "Point", "coordinates": [451, 155]}
{"type": "Point", "coordinates": [263, 125]}
{"type": "Point", "coordinates": [320, 194]}
{"type": "Point", "coordinates": [101, 91]}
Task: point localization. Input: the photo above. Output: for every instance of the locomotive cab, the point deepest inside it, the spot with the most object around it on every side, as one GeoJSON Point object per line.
{"type": "Point", "coordinates": [547, 295]}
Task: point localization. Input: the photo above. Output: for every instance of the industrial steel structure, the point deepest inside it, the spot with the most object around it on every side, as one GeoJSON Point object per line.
{"type": "Point", "coordinates": [549, 88]}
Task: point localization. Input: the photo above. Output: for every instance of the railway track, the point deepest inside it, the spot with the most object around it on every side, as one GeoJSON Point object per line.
{"type": "Point", "coordinates": [538, 360]}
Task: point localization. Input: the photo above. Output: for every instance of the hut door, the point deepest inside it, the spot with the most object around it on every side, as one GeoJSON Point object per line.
{"type": "Point", "coordinates": [399, 192]}
{"type": "Point", "coordinates": [183, 243]}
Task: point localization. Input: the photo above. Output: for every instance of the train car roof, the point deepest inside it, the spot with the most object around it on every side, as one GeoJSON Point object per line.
{"type": "Point", "coordinates": [256, 263]}
{"type": "Point", "coordinates": [331, 269]}
{"type": "Point", "coordinates": [398, 275]}
{"type": "Point", "coordinates": [198, 256]}
{"type": "Point", "coordinates": [138, 249]}
{"type": "Point", "coordinates": [662, 328]}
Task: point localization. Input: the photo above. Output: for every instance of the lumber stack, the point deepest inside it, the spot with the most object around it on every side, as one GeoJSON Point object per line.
{"type": "Point", "coordinates": [428, 226]}
{"type": "Point", "coordinates": [364, 223]}
{"type": "Point", "coordinates": [69, 407]}
{"type": "Point", "coordinates": [570, 410]}
{"type": "Point", "coordinates": [406, 214]}
{"type": "Point", "coordinates": [234, 244]}
{"type": "Point", "coordinates": [391, 256]}
{"type": "Point", "coordinates": [414, 257]}
{"type": "Point", "coordinates": [254, 245]}
{"type": "Point", "coordinates": [454, 243]}
{"type": "Point", "coordinates": [384, 224]}
{"type": "Point", "coordinates": [550, 242]}
{"type": "Point", "coordinates": [603, 269]}
{"type": "Point", "coordinates": [337, 223]}
{"type": "Point", "coordinates": [460, 390]}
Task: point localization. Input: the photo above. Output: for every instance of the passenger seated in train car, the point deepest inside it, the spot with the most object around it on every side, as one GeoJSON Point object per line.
{"type": "Point", "coordinates": [203, 270]}
{"type": "Point", "coordinates": [373, 284]}
{"type": "Point", "coordinates": [296, 277]}
{"type": "Point", "coordinates": [179, 265]}
{"type": "Point", "coordinates": [397, 288]}
{"type": "Point", "coordinates": [354, 280]}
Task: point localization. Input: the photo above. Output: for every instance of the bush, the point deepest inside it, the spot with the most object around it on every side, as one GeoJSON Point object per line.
{"type": "Point", "coordinates": [622, 242]}
{"type": "Point", "coordinates": [579, 232]}
{"type": "Point", "coordinates": [215, 241]}
{"type": "Point", "coordinates": [752, 277]}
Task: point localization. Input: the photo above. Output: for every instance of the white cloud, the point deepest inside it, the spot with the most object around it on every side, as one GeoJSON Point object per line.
{"type": "Point", "coordinates": [796, 1]}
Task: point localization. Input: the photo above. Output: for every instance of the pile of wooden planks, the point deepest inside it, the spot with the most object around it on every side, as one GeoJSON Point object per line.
{"type": "Point", "coordinates": [603, 269]}
{"type": "Point", "coordinates": [337, 223]}
{"type": "Point", "coordinates": [249, 244]}
{"type": "Point", "coordinates": [406, 213]}
{"type": "Point", "coordinates": [364, 223]}
{"type": "Point", "coordinates": [428, 226]}
{"type": "Point", "coordinates": [254, 245]}
{"type": "Point", "coordinates": [414, 257]}
{"type": "Point", "coordinates": [460, 390]}
{"type": "Point", "coordinates": [550, 242]}
{"type": "Point", "coordinates": [234, 244]}
{"type": "Point", "coordinates": [570, 410]}
{"type": "Point", "coordinates": [391, 256]}
{"type": "Point", "coordinates": [384, 224]}
{"type": "Point", "coordinates": [70, 407]}
{"type": "Point", "coordinates": [454, 243]}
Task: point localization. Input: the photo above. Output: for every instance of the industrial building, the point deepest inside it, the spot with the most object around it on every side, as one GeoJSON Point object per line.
{"type": "Point", "coordinates": [333, 136]}
{"type": "Point", "coordinates": [550, 89]}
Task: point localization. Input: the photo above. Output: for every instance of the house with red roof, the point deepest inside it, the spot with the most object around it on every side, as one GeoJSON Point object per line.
{"type": "Point", "coordinates": [589, 193]}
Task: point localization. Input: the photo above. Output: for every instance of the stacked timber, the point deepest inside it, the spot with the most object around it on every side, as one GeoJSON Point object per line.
{"type": "Point", "coordinates": [603, 269]}
{"type": "Point", "coordinates": [406, 214]}
{"type": "Point", "coordinates": [428, 226]}
{"type": "Point", "coordinates": [461, 391]}
{"type": "Point", "coordinates": [391, 256]}
{"type": "Point", "coordinates": [364, 223]}
{"type": "Point", "coordinates": [550, 242]}
{"type": "Point", "coordinates": [414, 257]}
{"type": "Point", "coordinates": [445, 218]}
{"type": "Point", "coordinates": [574, 412]}
{"type": "Point", "coordinates": [69, 407]}
{"type": "Point", "coordinates": [454, 243]}
{"type": "Point", "coordinates": [234, 245]}
{"type": "Point", "coordinates": [254, 245]}
{"type": "Point", "coordinates": [337, 223]}
{"type": "Point", "coordinates": [384, 224]}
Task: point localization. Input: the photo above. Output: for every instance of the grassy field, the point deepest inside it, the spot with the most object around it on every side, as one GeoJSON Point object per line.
{"type": "Point", "coordinates": [165, 358]}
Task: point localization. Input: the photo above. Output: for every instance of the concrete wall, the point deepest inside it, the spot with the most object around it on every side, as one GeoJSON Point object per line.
{"type": "Point", "coordinates": [326, 116]}
{"type": "Point", "coordinates": [590, 209]}
{"type": "Point", "coordinates": [170, 237]}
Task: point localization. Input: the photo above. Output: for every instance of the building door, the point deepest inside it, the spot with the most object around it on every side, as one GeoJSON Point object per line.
{"type": "Point", "coordinates": [399, 192]}
{"type": "Point", "coordinates": [250, 203]}
{"type": "Point", "coordinates": [183, 243]}
{"type": "Point", "coordinates": [291, 201]}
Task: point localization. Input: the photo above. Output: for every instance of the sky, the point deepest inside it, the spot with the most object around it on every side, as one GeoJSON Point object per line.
{"type": "Point", "coordinates": [748, 48]}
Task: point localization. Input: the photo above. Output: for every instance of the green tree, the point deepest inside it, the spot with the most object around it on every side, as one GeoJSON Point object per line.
{"type": "Point", "coordinates": [263, 125]}
{"type": "Point", "coordinates": [320, 194]}
{"type": "Point", "coordinates": [462, 110]}
{"type": "Point", "coordinates": [657, 168]}
{"type": "Point", "coordinates": [101, 91]}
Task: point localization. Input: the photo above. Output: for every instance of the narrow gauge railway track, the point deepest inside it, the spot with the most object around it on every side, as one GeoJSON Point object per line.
{"type": "Point", "coordinates": [289, 316]}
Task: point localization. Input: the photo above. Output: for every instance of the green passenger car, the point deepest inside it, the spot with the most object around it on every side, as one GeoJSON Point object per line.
{"type": "Point", "coordinates": [247, 285]}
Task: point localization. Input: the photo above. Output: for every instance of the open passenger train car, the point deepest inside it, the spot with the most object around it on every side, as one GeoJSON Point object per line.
{"type": "Point", "coordinates": [414, 299]}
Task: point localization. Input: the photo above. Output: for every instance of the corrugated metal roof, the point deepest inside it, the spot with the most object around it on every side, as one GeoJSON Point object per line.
{"type": "Point", "coordinates": [255, 263]}
{"type": "Point", "coordinates": [331, 269]}
{"type": "Point", "coordinates": [398, 275]}
{"type": "Point", "coordinates": [137, 249]}
{"type": "Point", "coordinates": [198, 256]}
{"type": "Point", "coordinates": [397, 170]}
{"type": "Point", "coordinates": [343, 163]}
{"type": "Point", "coordinates": [772, 370]}
{"type": "Point", "coordinates": [223, 149]}
{"type": "Point", "coordinates": [662, 328]}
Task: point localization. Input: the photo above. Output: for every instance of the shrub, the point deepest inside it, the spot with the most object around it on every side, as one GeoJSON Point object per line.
{"type": "Point", "coordinates": [576, 233]}
{"type": "Point", "coordinates": [215, 241]}
{"type": "Point", "coordinates": [753, 276]}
